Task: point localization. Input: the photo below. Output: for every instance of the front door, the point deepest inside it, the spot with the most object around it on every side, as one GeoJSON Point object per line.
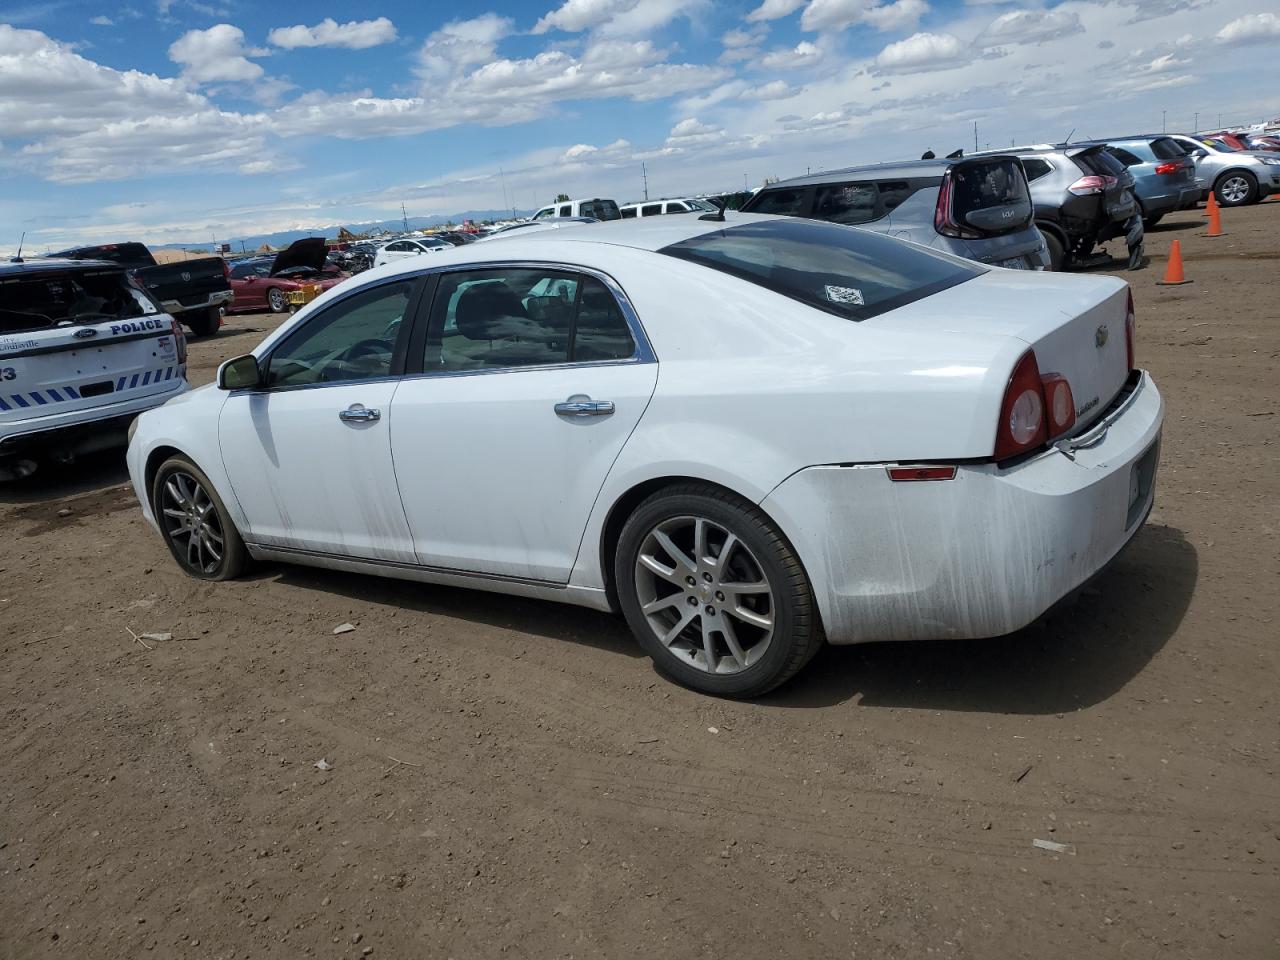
{"type": "Point", "coordinates": [533, 380]}
{"type": "Point", "coordinates": [309, 454]}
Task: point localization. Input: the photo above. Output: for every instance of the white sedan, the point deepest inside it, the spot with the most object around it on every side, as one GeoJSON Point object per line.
{"type": "Point", "coordinates": [747, 436]}
{"type": "Point", "coordinates": [409, 247]}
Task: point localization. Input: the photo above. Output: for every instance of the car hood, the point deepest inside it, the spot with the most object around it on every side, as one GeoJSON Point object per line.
{"type": "Point", "coordinates": [307, 252]}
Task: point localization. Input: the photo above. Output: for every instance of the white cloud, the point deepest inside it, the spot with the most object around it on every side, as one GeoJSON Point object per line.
{"type": "Point", "coordinates": [803, 54]}
{"type": "Point", "coordinates": [923, 52]}
{"type": "Point", "coordinates": [461, 45]}
{"type": "Point", "coordinates": [773, 90]}
{"type": "Point", "coordinates": [824, 15]}
{"type": "Point", "coordinates": [774, 10]}
{"type": "Point", "coordinates": [101, 21]}
{"type": "Point", "coordinates": [735, 39]}
{"type": "Point", "coordinates": [216, 55]}
{"type": "Point", "coordinates": [1251, 28]}
{"type": "Point", "coordinates": [355, 35]}
{"type": "Point", "coordinates": [617, 17]}
{"type": "Point", "coordinates": [1029, 26]}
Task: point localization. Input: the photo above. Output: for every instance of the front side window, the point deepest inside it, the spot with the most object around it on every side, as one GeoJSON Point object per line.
{"type": "Point", "coordinates": [544, 213]}
{"type": "Point", "coordinates": [523, 317]}
{"type": "Point", "coordinates": [600, 210]}
{"type": "Point", "coordinates": [354, 339]}
{"type": "Point", "coordinates": [628, 213]}
{"type": "Point", "coordinates": [847, 202]}
{"type": "Point", "coordinates": [852, 273]}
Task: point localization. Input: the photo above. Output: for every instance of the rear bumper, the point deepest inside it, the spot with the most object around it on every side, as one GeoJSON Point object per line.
{"type": "Point", "coordinates": [219, 298]}
{"type": "Point", "coordinates": [77, 430]}
{"type": "Point", "coordinates": [982, 555]}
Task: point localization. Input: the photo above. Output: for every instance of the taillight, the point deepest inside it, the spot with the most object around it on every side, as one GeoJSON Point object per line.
{"type": "Point", "coordinates": [1060, 403]}
{"type": "Point", "coordinates": [1130, 330]}
{"type": "Point", "coordinates": [179, 339]}
{"type": "Point", "coordinates": [1087, 186]}
{"type": "Point", "coordinates": [1167, 168]}
{"type": "Point", "coordinates": [226, 269]}
{"type": "Point", "coordinates": [1022, 420]}
{"type": "Point", "coordinates": [943, 219]}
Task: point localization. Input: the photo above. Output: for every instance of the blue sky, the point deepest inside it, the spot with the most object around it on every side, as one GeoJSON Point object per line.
{"type": "Point", "coordinates": [174, 120]}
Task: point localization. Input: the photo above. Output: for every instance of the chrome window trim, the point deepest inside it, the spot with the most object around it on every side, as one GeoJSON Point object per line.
{"type": "Point", "coordinates": [644, 352]}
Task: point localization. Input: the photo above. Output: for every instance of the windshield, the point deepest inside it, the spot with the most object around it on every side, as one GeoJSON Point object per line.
{"type": "Point", "coordinates": [852, 273]}
{"type": "Point", "coordinates": [42, 300]}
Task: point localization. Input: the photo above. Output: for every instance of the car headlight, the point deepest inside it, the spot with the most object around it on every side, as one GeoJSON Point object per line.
{"type": "Point", "coordinates": [1274, 161]}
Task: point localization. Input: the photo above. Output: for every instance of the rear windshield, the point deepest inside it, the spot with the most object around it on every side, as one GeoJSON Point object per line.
{"type": "Point", "coordinates": [1165, 148]}
{"type": "Point", "coordinates": [995, 187]}
{"type": "Point", "coordinates": [1099, 162]}
{"type": "Point", "coordinates": [852, 273]}
{"type": "Point", "coordinates": [130, 254]}
{"type": "Point", "coordinates": [39, 301]}
{"type": "Point", "coordinates": [600, 209]}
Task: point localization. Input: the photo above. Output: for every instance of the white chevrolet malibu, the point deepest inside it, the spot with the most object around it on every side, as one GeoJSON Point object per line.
{"type": "Point", "coordinates": [748, 436]}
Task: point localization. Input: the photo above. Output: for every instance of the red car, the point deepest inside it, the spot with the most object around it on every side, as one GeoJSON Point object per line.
{"type": "Point", "coordinates": [264, 283]}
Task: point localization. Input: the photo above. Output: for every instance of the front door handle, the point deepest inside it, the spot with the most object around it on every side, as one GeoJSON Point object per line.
{"type": "Point", "coordinates": [580, 406]}
{"type": "Point", "coordinates": [359, 413]}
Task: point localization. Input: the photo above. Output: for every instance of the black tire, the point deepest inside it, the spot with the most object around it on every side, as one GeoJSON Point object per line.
{"type": "Point", "coordinates": [796, 633]}
{"type": "Point", "coordinates": [206, 323]}
{"type": "Point", "coordinates": [1236, 188]}
{"type": "Point", "coordinates": [277, 300]}
{"type": "Point", "coordinates": [1149, 222]}
{"type": "Point", "coordinates": [1057, 255]}
{"type": "Point", "coordinates": [196, 556]}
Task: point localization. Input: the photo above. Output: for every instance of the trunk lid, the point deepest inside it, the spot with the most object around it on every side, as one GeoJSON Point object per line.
{"type": "Point", "coordinates": [1075, 324]}
{"type": "Point", "coordinates": [1117, 196]}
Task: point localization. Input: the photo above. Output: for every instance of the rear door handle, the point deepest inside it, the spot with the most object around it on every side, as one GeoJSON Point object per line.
{"type": "Point", "coordinates": [584, 407]}
{"type": "Point", "coordinates": [359, 413]}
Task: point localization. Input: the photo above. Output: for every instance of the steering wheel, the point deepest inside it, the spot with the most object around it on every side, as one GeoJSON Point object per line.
{"type": "Point", "coordinates": [338, 367]}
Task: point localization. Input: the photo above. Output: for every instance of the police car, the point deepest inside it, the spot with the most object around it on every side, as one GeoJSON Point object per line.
{"type": "Point", "coordinates": [83, 350]}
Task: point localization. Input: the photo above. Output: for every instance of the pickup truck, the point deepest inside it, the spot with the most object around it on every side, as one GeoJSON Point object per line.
{"type": "Point", "coordinates": [194, 292]}
{"type": "Point", "coordinates": [84, 349]}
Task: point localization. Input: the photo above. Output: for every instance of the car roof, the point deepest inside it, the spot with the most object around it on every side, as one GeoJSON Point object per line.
{"type": "Point", "coordinates": [53, 265]}
{"type": "Point", "coordinates": [895, 169]}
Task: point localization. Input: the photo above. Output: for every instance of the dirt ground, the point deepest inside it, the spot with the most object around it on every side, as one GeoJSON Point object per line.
{"type": "Point", "coordinates": [511, 777]}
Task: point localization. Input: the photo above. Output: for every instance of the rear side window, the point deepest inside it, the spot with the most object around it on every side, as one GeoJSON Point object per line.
{"type": "Point", "coordinates": [600, 209]}
{"type": "Point", "coordinates": [1036, 168]}
{"type": "Point", "coordinates": [893, 192]}
{"type": "Point", "coordinates": [855, 274]}
{"type": "Point", "coordinates": [628, 213]}
{"type": "Point", "coordinates": [677, 207]}
{"type": "Point", "coordinates": [788, 202]}
{"type": "Point", "coordinates": [856, 202]}
{"type": "Point", "coordinates": [652, 210]}
{"type": "Point", "coordinates": [566, 210]}
{"type": "Point", "coordinates": [42, 300]}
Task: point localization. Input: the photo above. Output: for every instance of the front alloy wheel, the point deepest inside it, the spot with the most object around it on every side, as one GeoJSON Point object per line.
{"type": "Point", "coordinates": [195, 524]}
{"type": "Point", "coordinates": [714, 592]}
{"type": "Point", "coordinates": [1236, 190]}
{"type": "Point", "coordinates": [276, 300]}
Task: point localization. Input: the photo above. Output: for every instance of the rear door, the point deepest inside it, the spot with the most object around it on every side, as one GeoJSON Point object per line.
{"type": "Point", "coordinates": [532, 380]}
{"type": "Point", "coordinates": [60, 369]}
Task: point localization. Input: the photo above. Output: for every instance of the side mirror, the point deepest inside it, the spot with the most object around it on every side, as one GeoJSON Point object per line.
{"type": "Point", "coordinates": [251, 278]}
{"type": "Point", "coordinates": [240, 373]}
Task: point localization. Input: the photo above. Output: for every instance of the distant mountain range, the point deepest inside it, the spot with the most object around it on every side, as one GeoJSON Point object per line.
{"type": "Point", "coordinates": [283, 238]}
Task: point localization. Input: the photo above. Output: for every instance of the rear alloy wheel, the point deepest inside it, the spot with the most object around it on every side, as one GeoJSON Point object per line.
{"type": "Point", "coordinates": [1057, 255]}
{"type": "Point", "coordinates": [714, 593]}
{"type": "Point", "coordinates": [1237, 189]}
{"type": "Point", "coordinates": [195, 524]}
{"type": "Point", "coordinates": [277, 300]}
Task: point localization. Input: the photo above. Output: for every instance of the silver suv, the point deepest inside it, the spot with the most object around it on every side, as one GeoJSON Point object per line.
{"type": "Point", "coordinates": [1235, 176]}
{"type": "Point", "coordinates": [976, 207]}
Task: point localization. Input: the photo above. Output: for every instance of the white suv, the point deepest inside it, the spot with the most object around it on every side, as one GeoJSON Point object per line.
{"type": "Point", "coordinates": [83, 350]}
{"type": "Point", "coordinates": [595, 208]}
{"type": "Point", "coordinates": [409, 247]}
{"type": "Point", "coordinates": [682, 205]}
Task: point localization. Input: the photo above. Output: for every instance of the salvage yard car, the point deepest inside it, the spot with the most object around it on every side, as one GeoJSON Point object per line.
{"type": "Point", "coordinates": [266, 282]}
{"type": "Point", "coordinates": [748, 435]}
{"type": "Point", "coordinates": [193, 292]}
{"type": "Point", "coordinates": [1236, 177]}
{"type": "Point", "coordinates": [83, 349]}
{"type": "Point", "coordinates": [976, 208]}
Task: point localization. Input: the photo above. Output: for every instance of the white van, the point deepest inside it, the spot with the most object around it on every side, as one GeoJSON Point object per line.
{"type": "Point", "coordinates": [595, 208]}
{"type": "Point", "coordinates": [83, 350]}
{"type": "Point", "coordinates": [657, 207]}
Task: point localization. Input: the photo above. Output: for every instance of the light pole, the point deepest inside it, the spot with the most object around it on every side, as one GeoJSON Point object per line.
{"type": "Point", "coordinates": [1162, 122]}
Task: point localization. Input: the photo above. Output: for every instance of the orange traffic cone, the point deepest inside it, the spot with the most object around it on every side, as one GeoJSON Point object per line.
{"type": "Point", "coordinates": [1215, 221]}
{"type": "Point", "coordinates": [1210, 205]}
{"type": "Point", "coordinates": [1173, 274]}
